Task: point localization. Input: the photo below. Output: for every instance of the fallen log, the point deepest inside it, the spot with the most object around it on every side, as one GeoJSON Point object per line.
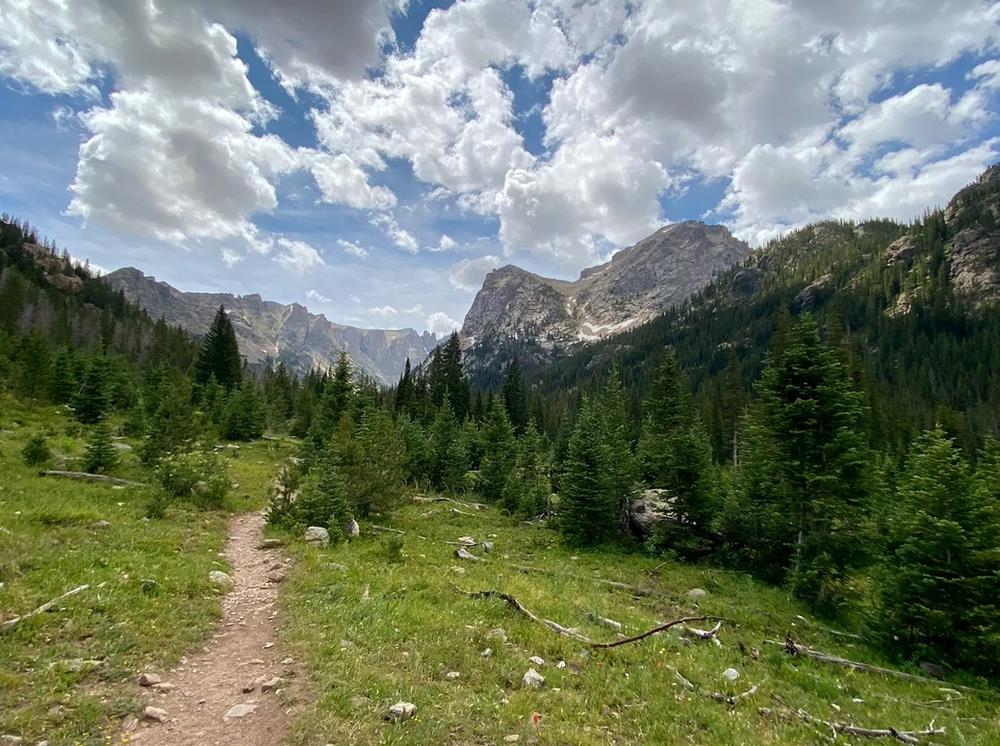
{"type": "Point", "coordinates": [905, 736]}
{"type": "Point", "coordinates": [793, 648]}
{"type": "Point", "coordinates": [387, 528]}
{"type": "Point", "coordinates": [87, 477]}
{"type": "Point", "coordinates": [657, 629]}
{"type": "Point", "coordinates": [42, 609]}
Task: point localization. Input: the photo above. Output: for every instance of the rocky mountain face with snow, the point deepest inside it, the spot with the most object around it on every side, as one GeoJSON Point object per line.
{"type": "Point", "coordinates": [266, 329]}
{"type": "Point", "coordinates": [539, 318]}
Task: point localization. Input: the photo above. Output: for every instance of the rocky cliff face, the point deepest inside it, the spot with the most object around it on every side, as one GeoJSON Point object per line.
{"type": "Point", "coordinates": [287, 333]}
{"type": "Point", "coordinates": [638, 283]}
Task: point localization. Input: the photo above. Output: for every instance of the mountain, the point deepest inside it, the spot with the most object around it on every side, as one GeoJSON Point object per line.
{"type": "Point", "coordinates": [915, 310]}
{"type": "Point", "coordinates": [288, 333]}
{"type": "Point", "coordinates": [542, 318]}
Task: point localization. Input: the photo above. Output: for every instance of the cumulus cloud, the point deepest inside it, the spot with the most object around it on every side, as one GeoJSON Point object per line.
{"type": "Point", "coordinates": [352, 248]}
{"type": "Point", "coordinates": [468, 274]}
{"type": "Point", "coordinates": [402, 238]}
{"type": "Point", "coordinates": [384, 312]}
{"type": "Point", "coordinates": [439, 323]}
{"type": "Point", "coordinates": [445, 243]}
{"type": "Point", "coordinates": [317, 296]}
{"type": "Point", "coordinates": [297, 256]}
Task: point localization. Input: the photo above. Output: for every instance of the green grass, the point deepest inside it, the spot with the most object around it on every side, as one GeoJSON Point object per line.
{"type": "Point", "coordinates": [414, 627]}
{"type": "Point", "coordinates": [149, 600]}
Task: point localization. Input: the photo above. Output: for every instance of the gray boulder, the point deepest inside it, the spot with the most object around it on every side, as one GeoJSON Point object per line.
{"type": "Point", "coordinates": [317, 536]}
{"type": "Point", "coordinates": [647, 509]}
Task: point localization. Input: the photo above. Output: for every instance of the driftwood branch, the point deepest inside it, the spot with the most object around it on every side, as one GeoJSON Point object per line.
{"type": "Point", "coordinates": [565, 631]}
{"type": "Point", "coordinates": [86, 477]}
{"type": "Point", "coordinates": [471, 506]}
{"type": "Point", "coordinates": [657, 629]}
{"type": "Point", "coordinates": [905, 736]}
{"type": "Point", "coordinates": [793, 648]}
{"type": "Point", "coordinates": [42, 609]}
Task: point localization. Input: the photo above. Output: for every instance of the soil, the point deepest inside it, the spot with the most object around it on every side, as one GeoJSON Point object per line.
{"type": "Point", "coordinates": [243, 651]}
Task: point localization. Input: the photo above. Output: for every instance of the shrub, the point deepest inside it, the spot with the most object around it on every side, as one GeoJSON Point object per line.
{"type": "Point", "coordinates": [194, 474]}
{"type": "Point", "coordinates": [36, 451]}
{"type": "Point", "coordinates": [101, 454]}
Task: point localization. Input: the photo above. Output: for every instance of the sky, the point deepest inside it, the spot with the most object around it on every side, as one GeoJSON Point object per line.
{"type": "Point", "coordinates": [374, 159]}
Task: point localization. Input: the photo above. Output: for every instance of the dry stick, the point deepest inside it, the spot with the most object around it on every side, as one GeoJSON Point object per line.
{"type": "Point", "coordinates": [828, 630]}
{"type": "Point", "coordinates": [463, 553]}
{"type": "Point", "coordinates": [793, 648]}
{"type": "Point", "coordinates": [43, 608]}
{"type": "Point", "coordinates": [732, 699]}
{"type": "Point", "coordinates": [386, 528]}
{"type": "Point", "coordinates": [656, 630]}
{"type": "Point", "coordinates": [86, 477]}
{"type": "Point", "coordinates": [856, 730]}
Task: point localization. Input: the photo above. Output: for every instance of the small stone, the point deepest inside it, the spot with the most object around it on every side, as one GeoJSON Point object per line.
{"type": "Point", "coordinates": [452, 675]}
{"type": "Point", "coordinates": [101, 524]}
{"type": "Point", "coordinates": [10, 739]}
{"type": "Point", "coordinates": [164, 686]}
{"type": "Point", "coordinates": [458, 570]}
{"type": "Point", "coordinates": [532, 679]}
{"type": "Point", "coordinates": [270, 544]}
{"type": "Point", "coordinates": [149, 679]}
{"type": "Point", "coordinates": [561, 664]}
{"type": "Point", "coordinates": [221, 580]}
{"type": "Point", "coordinates": [155, 714]}
{"type": "Point", "coordinates": [488, 547]}
{"type": "Point", "coordinates": [730, 674]}
{"type": "Point", "coordinates": [697, 593]}
{"type": "Point", "coordinates": [512, 738]}
{"type": "Point", "coordinates": [271, 684]}
{"type": "Point", "coordinates": [344, 644]}
{"type": "Point", "coordinates": [249, 686]}
{"type": "Point", "coordinates": [276, 577]}
{"type": "Point", "coordinates": [317, 536]}
{"type": "Point", "coordinates": [353, 529]}
{"type": "Point", "coordinates": [268, 645]}
{"type": "Point", "coordinates": [488, 653]}
{"type": "Point", "coordinates": [537, 660]}
{"type": "Point", "coordinates": [287, 661]}
{"type": "Point", "coordinates": [497, 634]}
{"type": "Point", "coordinates": [239, 711]}
{"type": "Point", "coordinates": [467, 541]}
{"type": "Point", "coordinates": [401, 711]}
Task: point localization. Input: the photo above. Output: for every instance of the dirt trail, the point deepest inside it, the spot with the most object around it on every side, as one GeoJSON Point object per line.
{"type": "Point", "coordinates": [206, 686]}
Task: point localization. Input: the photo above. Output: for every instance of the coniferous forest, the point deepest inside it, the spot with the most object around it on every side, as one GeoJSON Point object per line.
{"type": "Point", "coordinates": [823, 417]}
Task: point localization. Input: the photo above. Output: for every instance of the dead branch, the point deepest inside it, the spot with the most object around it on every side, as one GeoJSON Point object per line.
{"type": "Point", "coordinates": [387, 528]}
{"type": "Point", "coordinates": [471, 506]}
{"type": "Point", "coordinates": [567, 632]}
{"type": "Point", "coordinates": [86, 477]}
{"type": "Point", "coordinates": [732, 699]}
{"type": "Point", "coordinates": [656, 630]}
{"type": "Point", "coordinates": [43, 608]}
{"type": "Point", "coordinates": [793, 648]}
{"type": "Point", "coordinates": [681, 680]}
{"type": "Point", "coordinates": [705, 634]}
{"type": "Point", "coordinates": [852, 730]}
{"type": "Point", "coordinates": [463, 512]}
{"type": "Point", "coordinates": [828, 630]}
{"type": "Point", "coordinates": [605, 621]}
{"type": "Point", "coordinates": [463, 553]}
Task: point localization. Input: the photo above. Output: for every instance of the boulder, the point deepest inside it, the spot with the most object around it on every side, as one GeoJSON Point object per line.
{"type": "Point", "coordinates": [901, 250]}
{"type": "Point", "coordinates": [647, 509]}
{"type": "Point", "coordinates": [401, 711]}
{"type": "Point", "coordinates": [155, 714]}
{"type": "Point", "coordinates": [317, 536]}
{"type": "Point", "coordinates": [696, 593]}
{"type": "Point", "coordinates": [149, 679]}
{"type": "Point", "coordinates": [532, 679]}
{"type": "Point", "coordinates": [353, 529]}
{"type": "Point", "coordinates": [813, 294]}
{"type": "Point", "coordinates": [221, 580]}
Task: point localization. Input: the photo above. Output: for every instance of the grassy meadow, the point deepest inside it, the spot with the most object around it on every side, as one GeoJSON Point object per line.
{"type": "Point", "coordinates": [66, 675]}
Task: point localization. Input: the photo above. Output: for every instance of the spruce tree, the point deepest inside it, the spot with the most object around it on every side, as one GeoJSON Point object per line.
{"type": "Point", "coordinates": [323, 499]}
{"type": "Point", "coordinates": [529, 490]}
{"type": "Point", "coordinates": [403, 400]}
{"type": "Point", "coordinates": [453, 379]}
{"type": "Point", "coordinates": [939, 586]}
{"type": "Point", "coordinates": [64, 383]}
{"type": "Point", "coordinates": [101, 455]}
{"type": "Point", "coordinates": [93, 398]}
{"type": "Point", "coordinates": [377, 486]}
{"type": "Point", "coordinates": [589, 502]}
{"type": "Point", "coordinates": [338, 395]}
{"type": "Point", "coordinates": [244, 413]}
{"type": "Point", "coordinates": [499, 454]}
{"type": "Point", "coordinates": [515, 397]}
{"type": "Point", "coordinates": [220, 354]}
{"type": "Point", "coordinates": [448, 458]}
{"type": "Point", "coordinates": [610, 407]}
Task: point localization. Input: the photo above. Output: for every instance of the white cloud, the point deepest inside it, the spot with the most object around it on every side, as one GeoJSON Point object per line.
{"type": "Point", "coordinates": [402, 238]}
{"type": "Point", "coordinates": [230, 258]}
{"type": "Point", "coordinates": [468, 274]}
{"type": "Point", "coordinates": [341, 180]}
{"type": "Point", "coordinates": [415, 310]}
{"type": "Point", "coordinates": [352, 248]}
{"type": "Point", "coordinates": [986, 74]}
{"type": "Point", "coordinates": [384, 312]}
{"type": "Point", "coordinates": [439, 323]}
{"type": "Point", "coordinates": [298, 256]}
{"type": "Point", "coordinates": [446, 243]}
{"type": "Point", "coordinates": [317, 296]}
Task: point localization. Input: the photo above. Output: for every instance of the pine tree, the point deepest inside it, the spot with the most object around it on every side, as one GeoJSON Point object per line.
{"type": "Point", "coordinates": [36, 451]}
{"type": "Point", "coordinates": [453, 379]}
{"type": "Point", "coordinates": [529, 491]}
{"type": "Point", "coordinates": [448, 458]}
{"type": "Point", "coordinates": [377, 485]}
{"type": "Point", "coordinates": [515, 397]}
{"type": "Point", "coordinates": [940, 584]}
{"type": "Point", "coordinates": [64, 382]}
{"type": "Point", "coordinates": [244, 413]}
{"type": "Point", "coordinates": [403, 400]}
{"type": "Point", "coordinates": [93, 399]}
{"type": "Point", "coordinates": [101, 454]}
{"type": "Point", "coordinates": [802, 494]}
{"type": "Point", "coordinates": [171, 423]}
{"type": "Point", "coordinates": [499, 454]}
{"type": "Point", "coordinates": [589, 503]}
{"type": "Point", "coordinates": [220, 354]}
{"type": "Point", "coordinates": [610, 408]}
{"type": "Point", "coordinates": [337, 397]}
{"type": "Point", "coordinates": [323, 499]}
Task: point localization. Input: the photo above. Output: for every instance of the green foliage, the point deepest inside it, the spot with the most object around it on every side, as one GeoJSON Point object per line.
{"type": "Point", "coordinates": [244, 413]}
{"type": "Point", "coordinates": [101, 456]}
{"type": "Point", "coordinates": [36, 451]}
{"type": "Point", "coordinates": [171, 423]}
{"type": "Point", "coordinates": [939, 586]}
{"type": "Point", "coordinates": [448, 461]}
{"type": "Point", "coordinates": [93, 399]}
{"type": "Point", "coordinates": [376, 482]}
{"type": "Point", "coordinates": [219, 356]}
{"type": "Point", "coordinates": [515, 398]}
{"type": "Point", "coordinates": [336, 399]}
{"type": "Point", "coordinates": [528, 491]}
{"type": "Point", "coordinates": [196, 475]}
{"type": "Point", "coordinates": [589, 503]}
{"type": "Point", "coordinates": [323, 499]}
{"type": "Point", "coordinates": [499, 453]}
{"type": "Point", "coordinates": [391, 549]}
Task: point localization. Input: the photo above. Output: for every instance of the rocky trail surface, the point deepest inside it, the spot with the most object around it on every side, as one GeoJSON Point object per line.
{"type": "Point", "coordinates": [240, 689]}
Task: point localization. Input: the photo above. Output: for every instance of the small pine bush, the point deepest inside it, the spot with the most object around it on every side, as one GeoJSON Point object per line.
{"type": "Point", "coordinates": [196, 475]}
{"type": "Point", "coordinates": [36, 451]}
{"type": "Point", "coordinates": [101, 454]}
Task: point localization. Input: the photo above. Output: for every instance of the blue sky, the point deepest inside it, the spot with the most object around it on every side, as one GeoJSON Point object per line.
{"type": "Point", "coordinates": [373, 161]}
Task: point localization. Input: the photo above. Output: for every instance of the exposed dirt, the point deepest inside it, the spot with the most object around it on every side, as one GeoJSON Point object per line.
{"type": "Point", "coordinates": [244, 650]}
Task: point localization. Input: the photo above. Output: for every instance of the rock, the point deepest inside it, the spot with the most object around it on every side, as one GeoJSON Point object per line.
{"type": "Point", "coordinates": [532, 679]}
{"type": "Point", "coordinates": [932, 669]}
{"type": "Point", "coordinates": [901, 250]}
{"type": "Point", "coordinates": [77, 665]}
{"type": "Point", "coordinates": [812, 295]}
{"type": "Point", "coordinates": [276, 577]}
{"type": "Point", "coordinates": [155, 714]}
{"type": "Point", "coordinates": [149, 679]}
{"type": "Point", "coordinates": [488, 653]}
{"type": "Point", "coordinates": [164, 686]}
{"type": "Point", "coordinates": [453, 675]}
{"type": "Point", "coordinates": [6, 738]}
{"type": "Point", "coordinates": [239, 711]}
{"type": "Point", "coordinates": [697, 593]}
{"type": "Point", "coordinates": [401, 711]}
{"type": "Point", "coordinates": [488, 547]}
{"type": "Point", "coordinates": [647, 509]}
{"type": "Point", "coordinates": [512, 738]}
{"type": "Point", "coordinates": [730, 674]}
{"type": "Point", "coordinates": [458, 570]}
{"type": "Point", "coordinates": [317, 536]}
{"type": "Point", "coordinates": [200, 488]}
{"type": "Point", "coordinates": [497, 633]}
{"type": "Point", "coordinates": [100, 524]}
{"type": "Point", "coordinates": [271, 684]}
{"type": "Point", "coordinates": [352, 529]}
{"type": "Point", "coordinates": [537, 660]}
{"type": "Point", "coordinates": [249, 686]}
{"type": "Point", "coordinates": [463, 553]}
{"type": "Point", "coordinates": [467, 541]}
{"type": "Point", "coordinates": [561, 664]}
{"type": "Point", "coordinates": [270, 544]}
{"type": "Point", "coordinates": [221, 580]}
